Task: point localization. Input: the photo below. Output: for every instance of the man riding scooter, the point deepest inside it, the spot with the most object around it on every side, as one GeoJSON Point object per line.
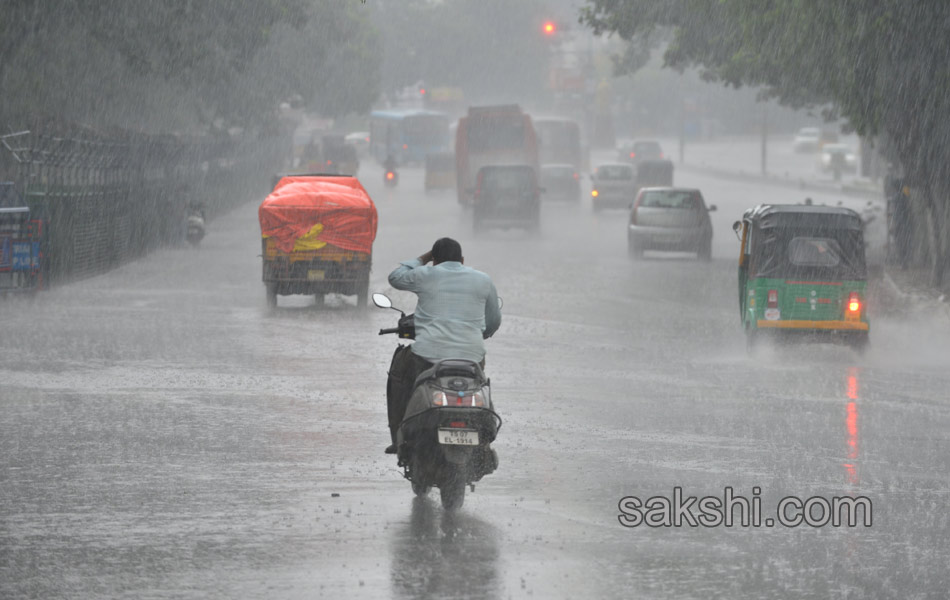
{"type": "Point", "coordinates": [457, 309]}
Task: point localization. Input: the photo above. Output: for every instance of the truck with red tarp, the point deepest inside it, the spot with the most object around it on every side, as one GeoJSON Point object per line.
{"type": "Point", "coordinates": [317, 237]}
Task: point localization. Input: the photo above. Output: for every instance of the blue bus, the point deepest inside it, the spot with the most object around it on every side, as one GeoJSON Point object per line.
{"type": "Point", "coordinates": [408, 135]}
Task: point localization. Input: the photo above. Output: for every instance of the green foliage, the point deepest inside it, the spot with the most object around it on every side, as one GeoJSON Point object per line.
{"type": "Point", "coordinates": [882, 64]}
{"type": "Point", "coordinates": [174, 64]}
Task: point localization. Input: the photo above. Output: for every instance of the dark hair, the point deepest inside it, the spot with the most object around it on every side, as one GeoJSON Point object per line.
{"type": "Point", "coordinates": [446, 249]}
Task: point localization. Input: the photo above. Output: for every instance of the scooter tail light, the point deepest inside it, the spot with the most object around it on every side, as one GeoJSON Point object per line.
{"type": "Point", "coordinates": [773, 299]}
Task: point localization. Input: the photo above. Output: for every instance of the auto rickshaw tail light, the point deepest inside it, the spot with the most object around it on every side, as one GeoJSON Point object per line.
{"type": "Point", "coordinates": [854, 303]}
{"type": "Point", "coordinates": [773, 299]}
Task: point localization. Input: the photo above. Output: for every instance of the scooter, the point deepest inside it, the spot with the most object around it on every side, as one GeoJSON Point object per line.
{"type": "Point", "coordinates": [390, 178]}
{"type": "Point", "coordinates": [444, 438]}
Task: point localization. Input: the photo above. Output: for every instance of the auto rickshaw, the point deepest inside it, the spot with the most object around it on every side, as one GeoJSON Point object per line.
{"type": "Point", "coordinates": [317, 237]}
{"type": "Point", "coordinates": [802, 273]}
{"type": "Point", "coordinates": [440, 171]}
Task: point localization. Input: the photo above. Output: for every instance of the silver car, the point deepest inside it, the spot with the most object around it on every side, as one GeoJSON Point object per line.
{"type": "Point", "coordinates": [671, 219]}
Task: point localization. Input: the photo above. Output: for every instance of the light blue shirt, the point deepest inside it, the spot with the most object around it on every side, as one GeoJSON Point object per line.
{"type": "Point", "coordinates": [457, 308]}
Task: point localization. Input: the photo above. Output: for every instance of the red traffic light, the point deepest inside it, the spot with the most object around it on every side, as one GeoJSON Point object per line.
{"type": "Point", "coordinates": [549, 27]}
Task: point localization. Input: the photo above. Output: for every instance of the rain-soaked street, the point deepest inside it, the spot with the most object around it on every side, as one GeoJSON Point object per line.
{"type": "Point", "coordinates": [164, 435]}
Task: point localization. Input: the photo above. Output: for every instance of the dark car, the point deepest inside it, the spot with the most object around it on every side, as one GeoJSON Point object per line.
{"type": "Point", "coordinates": [560, 182]}
{"type": "Point", "coordinates": [640, 150]}
{"type": "Point", "coordinates": [506, 196]}
{"type": "Point", "coordinates": [671, 219]}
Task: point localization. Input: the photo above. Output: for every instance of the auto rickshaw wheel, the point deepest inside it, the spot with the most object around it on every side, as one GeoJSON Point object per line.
{"type": "Point", "coordinates": [860, 343]}
{"type": "Point", "coordinates": [751, 339]}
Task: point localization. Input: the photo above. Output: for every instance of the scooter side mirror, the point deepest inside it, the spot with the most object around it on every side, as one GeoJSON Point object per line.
{"type": "Point", "coordinates": [737, 227]}
{"type": "Point", "coordinates": [500, 303]}
{"type": "Point", "coordinates": [382, 301]}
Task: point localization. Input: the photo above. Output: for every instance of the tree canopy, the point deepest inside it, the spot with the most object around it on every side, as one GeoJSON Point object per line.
{"type": "Point", "coordinates": [882, 64]}
{"type": "Point", "coordinates": [180, 63]}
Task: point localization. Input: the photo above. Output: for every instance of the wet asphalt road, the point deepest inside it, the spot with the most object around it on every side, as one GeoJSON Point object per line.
{"type": "Point", "coordinates": [163, 435]}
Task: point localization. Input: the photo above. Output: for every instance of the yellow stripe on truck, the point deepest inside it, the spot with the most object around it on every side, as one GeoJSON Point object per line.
{"type": "Point", "coordinates": [792, 324]}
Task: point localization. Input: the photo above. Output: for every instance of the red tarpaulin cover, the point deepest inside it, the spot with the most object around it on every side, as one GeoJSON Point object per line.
{"type": "Point", "coordinates": [339, 204]}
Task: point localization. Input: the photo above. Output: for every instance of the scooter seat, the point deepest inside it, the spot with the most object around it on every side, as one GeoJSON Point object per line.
{"type": "Point", "coordinates": [452, 368]}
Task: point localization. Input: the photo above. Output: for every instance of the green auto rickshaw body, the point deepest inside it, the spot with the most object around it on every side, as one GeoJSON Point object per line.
{"type": "Point", "coordinates": [802, 272]}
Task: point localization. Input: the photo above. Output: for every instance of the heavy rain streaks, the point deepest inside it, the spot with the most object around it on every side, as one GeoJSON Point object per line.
{"type": "Point", "coordinates": [169, 428]}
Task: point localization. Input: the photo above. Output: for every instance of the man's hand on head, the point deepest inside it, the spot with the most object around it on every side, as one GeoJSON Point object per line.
{"type": "Point", "coordinates": [426, 258]}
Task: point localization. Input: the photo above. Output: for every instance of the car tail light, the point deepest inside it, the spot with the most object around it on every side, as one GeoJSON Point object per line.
{"type": "Point", "coordinates": [633, 211]}
{"type": "Point", "coordinates": [405, 146]}
{"type": "Point", "coordinates": [661, 155]}
{"type": "Point", "coordinates": [772, 299]}
{"type": "Point", "coordinates": [329, 162]}
{"type": "Point", "coordinates": [389, 175]}
{"type": "Point", "coordinates": [576, 176]}
{"type": "Point", "coordinates": [633, 155]}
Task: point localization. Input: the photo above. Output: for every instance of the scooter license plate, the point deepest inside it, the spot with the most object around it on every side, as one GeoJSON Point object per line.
{"type": "Point", "coordinates": [458, 437]}
{"type": "Point", "coordinates": [315, 275]}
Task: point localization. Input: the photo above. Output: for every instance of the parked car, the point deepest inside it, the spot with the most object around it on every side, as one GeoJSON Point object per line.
{"type": "Point", "coordinates": [671, 219]}
{"type": "Point", "coordinates": [613, 186]}
{"type": "Point", "coordinates": [560, 182]}
{"type": "Point", "coordinates": [506, 196]}
{"type": "Point", "coordinates": [640, 150]}
{"type": "Point", "coordinates": [806, 140]}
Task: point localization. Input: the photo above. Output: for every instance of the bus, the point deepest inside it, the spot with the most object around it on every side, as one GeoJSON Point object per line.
{"type": "Point", "coordinates": [407, 135]}
{"type": "Point", "coordinates": [492, 135]}
{"type": "Point", "coordinates": [559, 142]}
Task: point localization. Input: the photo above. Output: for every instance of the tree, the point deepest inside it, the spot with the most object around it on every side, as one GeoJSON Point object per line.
{"type": "Point", "coordinates": [880, 63]}
{"type": "Point", "coordinates": [179, 64]}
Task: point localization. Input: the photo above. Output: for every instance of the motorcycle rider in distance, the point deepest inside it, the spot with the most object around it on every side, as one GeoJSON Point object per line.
{"type": "Point", "coordinates": [457, 309]}
{"type": "Point", "coordinates": [390, 163]}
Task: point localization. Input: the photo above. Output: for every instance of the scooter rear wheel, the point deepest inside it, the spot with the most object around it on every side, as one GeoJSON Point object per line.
{"type": "Point", "coordinates": [418, 487]}
{"type": "Point", "coordinates": [453, 492]}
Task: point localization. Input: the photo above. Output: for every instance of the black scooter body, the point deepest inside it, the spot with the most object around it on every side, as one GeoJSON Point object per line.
{"type": "Point", "coordinates": [451, 402]}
